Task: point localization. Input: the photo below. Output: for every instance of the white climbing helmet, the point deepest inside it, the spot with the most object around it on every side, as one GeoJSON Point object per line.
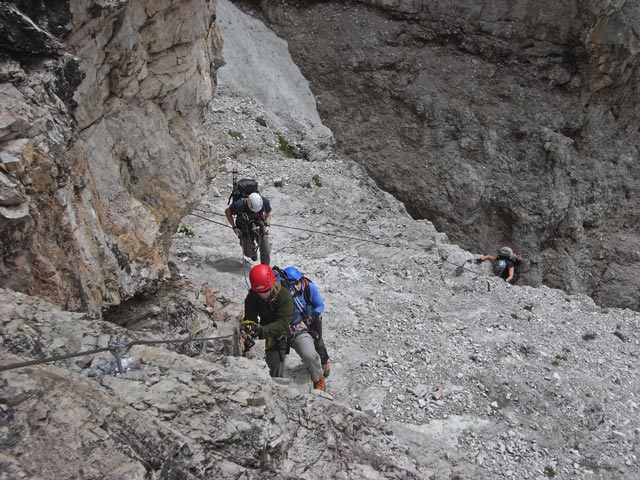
{"type": "Point", "coordinates": [255, 202]}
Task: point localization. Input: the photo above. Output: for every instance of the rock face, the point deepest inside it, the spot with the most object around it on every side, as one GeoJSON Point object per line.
{"type": "Point", "coordinates": [249, 41]}
{"type": "Point", "coordinates": [501, 122]}
{"type": "Point", "coordinates": [438, 369]}
{"type": "Point", "coordinates": [433, 375]}
{"type": "Point", "coordinates": [101, 153]}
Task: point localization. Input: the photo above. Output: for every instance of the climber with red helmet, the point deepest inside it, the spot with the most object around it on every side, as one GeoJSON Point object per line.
{"type": "Point", "coordinates": [250, 217]}
{"type": "Point", "coordinates": [268, 311]}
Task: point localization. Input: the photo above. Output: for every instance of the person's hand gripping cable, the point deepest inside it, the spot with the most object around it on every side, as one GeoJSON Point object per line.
{"type": "Point", "coordinates": [249, 331]}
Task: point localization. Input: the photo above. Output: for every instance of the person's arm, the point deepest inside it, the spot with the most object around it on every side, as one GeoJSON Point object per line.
{"type": "Point", "coordinates": [229, 215]}
{"type": "Point", "coordinates": [251, 307]}
{"type": "Point", "coordinates": [511, 272]}
{"type": "Point", "coordinates": [284, 315]}
{"type": "Point", "coordinates": [250, 326]}
{"type": "Point", "coordinates": [485, 257]}
{"type": "Point", "coordinates": [266, 205]}
{"type": "Point", "coordinates": [229, 212]}
{"type": "Point", "coordinates": [316, 304]}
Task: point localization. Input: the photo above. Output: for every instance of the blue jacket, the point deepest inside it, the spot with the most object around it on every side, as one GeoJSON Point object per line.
{"type": "Point", "coordinates": [304, 308]}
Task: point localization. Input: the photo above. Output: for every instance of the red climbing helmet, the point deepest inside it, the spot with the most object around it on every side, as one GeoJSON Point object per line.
{"type": "Point", "coordinates": [261, 278]}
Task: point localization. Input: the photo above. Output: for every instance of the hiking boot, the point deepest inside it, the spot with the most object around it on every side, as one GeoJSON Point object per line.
{"type": "Point", "coordinates": [326, 369]}
{"type": "Point", "coordinates": [319, 385]}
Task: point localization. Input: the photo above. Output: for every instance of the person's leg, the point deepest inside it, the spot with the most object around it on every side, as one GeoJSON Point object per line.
{"type": "Point", "coordinates": [247, 245]}
{"type": "Point", "coordinates": [265, 249]}
{"type": "Point", "coordinates": [318, 341]}
{"type": "Point", "coordinates": [304, 347]}
{"type": "Point", "coordinates": [275, 359]}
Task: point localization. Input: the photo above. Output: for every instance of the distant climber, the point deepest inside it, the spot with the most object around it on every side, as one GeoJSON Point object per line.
{"type": "Point", "coordinates": [306, 328]}
{"type": "Point", "coordinates": [250, 218]}
{"type": "Point", "coordinates": [268, 312]}
{"type": "Point", "coordinates": [506, 264]}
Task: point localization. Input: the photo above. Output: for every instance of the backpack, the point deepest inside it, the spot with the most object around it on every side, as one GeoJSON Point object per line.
{"type": "Point", "coordinates": [242, 188]}
{"type": "Point", "coordinates": [306, 292]}
{"type": "Point", "coordinates": [499, 266]}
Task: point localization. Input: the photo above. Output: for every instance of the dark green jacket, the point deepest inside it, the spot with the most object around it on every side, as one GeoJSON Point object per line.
{"type": "Point", "coordinates": [274, 315]}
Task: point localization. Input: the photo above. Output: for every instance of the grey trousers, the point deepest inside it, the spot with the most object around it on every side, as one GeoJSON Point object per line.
{"type": "Point", "coordinates": [305, 347]}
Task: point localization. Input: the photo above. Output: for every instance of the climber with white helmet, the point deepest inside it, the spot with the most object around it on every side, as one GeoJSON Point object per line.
{"type": "Point", "coordinates": [506, 264]}
{"type": "Point", "coordinates": [250, 216]}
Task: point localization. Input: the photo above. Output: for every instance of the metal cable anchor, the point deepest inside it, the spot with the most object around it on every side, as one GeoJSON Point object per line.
{"type": "Point", "coordinates": [118, 349]}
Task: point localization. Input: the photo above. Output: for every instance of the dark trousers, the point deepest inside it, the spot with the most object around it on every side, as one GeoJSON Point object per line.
{"type": "Point", "coordinates": [254, 240]}
{"type": "Point", "coordinates": [275, 355]}
{"type": "Point", "coordinates": [316, 333]}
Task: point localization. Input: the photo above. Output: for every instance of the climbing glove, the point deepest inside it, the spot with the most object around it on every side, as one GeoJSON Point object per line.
{"type": "Point", "coordinates": [478, 261]}
{"type": "Point", "coordinates": [252, 330]}
{"type": "Point", "coordinates": [237, 231]}
{"type": "Point", "coordinates": [315, 318]}
{"type": "Point", "coordinates": [256, 331]}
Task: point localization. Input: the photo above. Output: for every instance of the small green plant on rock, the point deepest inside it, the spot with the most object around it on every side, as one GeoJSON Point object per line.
{"type": "Point", "coordinates": [236, 135]}
{"type": "Point", "coordinates": [285, 147]}
{"type": "Point", "coordinates": [550, 472]}
{"type": "Point", "coordinates": [620, 335]}
{"type": "Point", "coordinates": [587, 337]}
{"type": "Point", "coordinates": [261, 121]}
{"type": "Point", "coordinates": [316, 180]}
{"type": "Point", "coordinates": [186, 231]}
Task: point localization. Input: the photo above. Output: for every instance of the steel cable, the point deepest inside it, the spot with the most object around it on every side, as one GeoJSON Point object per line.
{"type": "Point", "coordinates": [337, 235]}
{"type": "Point", "coordinates": [114, 349]}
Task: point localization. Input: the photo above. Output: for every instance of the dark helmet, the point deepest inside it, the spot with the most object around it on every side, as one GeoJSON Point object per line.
{"type": "Point", "coordinates": [293, 274]}
{"type": "Point", "coordinates": [261, 278]}
{"type": "Point", "coordinates": [505, 252]}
